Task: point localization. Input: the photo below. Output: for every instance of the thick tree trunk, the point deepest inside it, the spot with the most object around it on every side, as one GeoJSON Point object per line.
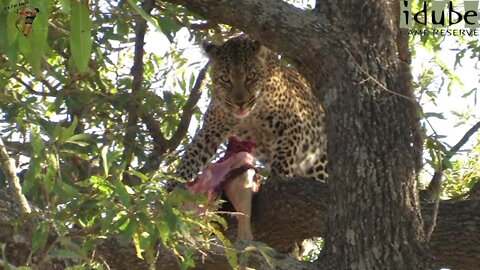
{"type": "Point", "coordinates": [374, 219]}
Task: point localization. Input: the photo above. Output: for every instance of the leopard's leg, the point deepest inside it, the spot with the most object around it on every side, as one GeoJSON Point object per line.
{"type": "Point", "coordinates": [217, 126]}
{"type": "Point", "coordinates": [283, 162]}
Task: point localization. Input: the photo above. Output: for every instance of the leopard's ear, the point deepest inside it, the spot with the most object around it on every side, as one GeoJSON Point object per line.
{"type": "Point", "coordinates": [256, 45]}
{"type": "Point", "coordinates": [261, 51]}
{"type": "Point", "coordinates": [211, 50]}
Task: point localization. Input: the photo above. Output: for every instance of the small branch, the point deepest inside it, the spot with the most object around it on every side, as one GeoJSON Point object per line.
{"type": "Point", "coordinates": [46, 83]}
{"type": "Point", "coordinates": [13, 182]}
{"type": "Point", "coordinates": [369, 77]}
{"type": "Point", "coordinates": [30, 88]}
{"type": "Point", "coordinates": [159, 140]}
{"type": "Point", "coordinates": [137, 83]}
{"type": "Point", "coordinates": [435, 186]}
{"type": "Point", "coordinates": [463, 140]}
{"type": "Point", "coordinates": [18, 147]}
{"type": "Point", "coordinates": [188, 109]}
{"type": "Point", "coordinates": [203, 26]}
{"type": "Point", "coordinates": [161, 145]}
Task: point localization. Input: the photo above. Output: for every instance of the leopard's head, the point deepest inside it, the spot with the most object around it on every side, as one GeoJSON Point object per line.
{"type": "Point", "coordinates": [238, 73]}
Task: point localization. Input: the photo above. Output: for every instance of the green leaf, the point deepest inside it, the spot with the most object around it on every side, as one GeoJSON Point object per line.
{"type": "Point", "coordinates": [13, 19]}
{"type": "Point", "coordinates": [40, 236]}
{"type": "Point", "coordinates": [170, 217]}
{"type": "Point", "coordinates": [230, 252]}
{"type": "Point", "coordinates": [448, 164]}
{"type": "Point", "coordinates": [168, 26]}
{"type": "Point", "coordinates": [129, 230]}
{"type": "Point", "coordinates": [31, 183]}
{"type": "Point", "coordinates": [82, 144]}
{"type": "Point", "coordinates": [122, 28]}
{"type": "Point", "coordinates": [136, 241]}
{"type": "Point", "coordinates": [164, 232]}
{"type": "Point", "coordinates": [147, 17]}
{"type": "Point", "coordinates": [8, 38]}
{"type": "Point", "coordinates": [108, 158]}
{"type": "Point", "coordinates": [68, 132]}
{"type": "Point", "coordinates": [140, 175]}
{"type": "Point", "coordinates": [37, 38]}
{"type": "Point", "coordinates": [70, 152]}
{"type": "Point", "coordinates": [65, 191]}
{"type": "Point", "coordinates": [122, 194]}
{"type": "Point", "coordinates": [80, 139]}
{"type": "Point", "coordinates": [65, 6]}
{"type": "Point", "coordinates": [105, 166]}
{"type": "Point", "coordinates": [474, 90]}
{"type": "Point", "coordinates": [80, 35]}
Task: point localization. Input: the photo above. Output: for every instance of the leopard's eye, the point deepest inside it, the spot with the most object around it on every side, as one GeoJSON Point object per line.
{"type": "Point", "coordinates": [251, 76]}
{"type": "Point", "coordinates": [225, 79]}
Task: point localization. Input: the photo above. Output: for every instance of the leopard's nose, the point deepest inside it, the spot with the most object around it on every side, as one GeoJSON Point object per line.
{"type": "Point", "coordinates": [240, 103]}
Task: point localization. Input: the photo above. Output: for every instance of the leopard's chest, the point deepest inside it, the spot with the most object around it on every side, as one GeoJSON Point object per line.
{"type": "Point", "coordinates": [257, 128]}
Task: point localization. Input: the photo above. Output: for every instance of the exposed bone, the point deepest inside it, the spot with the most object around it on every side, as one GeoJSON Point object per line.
{"type": "Point", "coordinates": [240, 191]}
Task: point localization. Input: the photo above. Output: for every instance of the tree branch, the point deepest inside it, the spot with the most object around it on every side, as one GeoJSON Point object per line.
{"type": "Point", "coordinates": [435, 185]}
{"type": "Point", "coordinates": [189, 109]}
{"type": "Point", "coordinates": [30, 88]}
{"type": "Point", "coordinates": [215, 260]}
{"type": "Point", "coordinates": [463, 140]}
{"type": "Point", "coordinates": [13, 183]}
{"type": "Point", "coordinates": [162, 145]}
{"type": "Point", "coordinates": [270, 21]}
{"type": "Point", "coordinates": [137, 83]}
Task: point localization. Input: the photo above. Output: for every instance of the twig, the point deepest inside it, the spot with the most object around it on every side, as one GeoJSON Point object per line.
{"type": "Point", "coordinates": [375, 80]}
{"type": "Point", "coordinates": [13, 182]}
{"type": "Point", "coordinates": [30, 88]}
{"type": "Point", "coordinates": [42, 80]}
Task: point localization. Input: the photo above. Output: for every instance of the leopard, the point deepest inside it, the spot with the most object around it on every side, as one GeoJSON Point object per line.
{"type": "Point", "coordinates": [255, 95]}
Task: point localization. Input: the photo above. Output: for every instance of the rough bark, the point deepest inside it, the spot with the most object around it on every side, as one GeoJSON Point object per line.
{"type": "Point", "coordinates": [279, 210]}
{"type": "Point", "coordinates": [8, 167]}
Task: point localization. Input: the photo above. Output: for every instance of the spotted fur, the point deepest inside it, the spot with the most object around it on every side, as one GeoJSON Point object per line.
{"type": "Point", "coordinates": [257, 97]}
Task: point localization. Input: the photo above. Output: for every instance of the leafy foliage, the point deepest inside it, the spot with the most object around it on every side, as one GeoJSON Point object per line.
{"type": "Point", "coordinates": [65, 94]}
{"type": "Point", "coordinates": [463, 175]}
